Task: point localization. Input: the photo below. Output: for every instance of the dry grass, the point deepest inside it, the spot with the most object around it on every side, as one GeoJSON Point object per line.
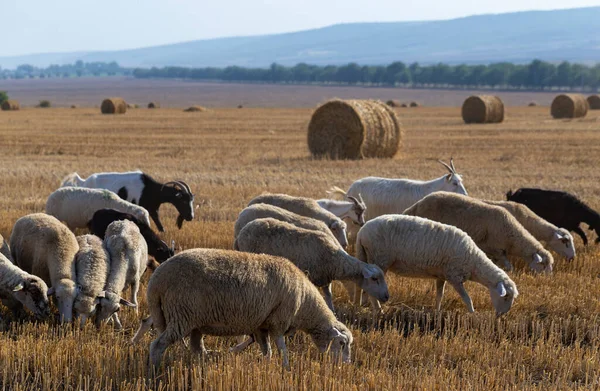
{"type": "Point", "coordinates": [549, 340]}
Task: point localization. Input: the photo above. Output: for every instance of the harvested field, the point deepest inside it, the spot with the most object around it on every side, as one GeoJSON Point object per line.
{"type": "Point", "coordinates": [549, 340]}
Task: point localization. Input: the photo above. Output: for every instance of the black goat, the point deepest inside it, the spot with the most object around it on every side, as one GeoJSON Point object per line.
{"type": "Point", "coordinates": [559, 208]}
{"type": "Point", "coordinates": [156, 247]}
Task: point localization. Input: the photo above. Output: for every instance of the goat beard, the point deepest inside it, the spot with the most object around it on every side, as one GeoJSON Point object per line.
{"type": "Point", "coordinates": [179, 221]}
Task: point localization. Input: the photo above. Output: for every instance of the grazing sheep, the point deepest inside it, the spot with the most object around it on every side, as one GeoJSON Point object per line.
{"type": "Point", "coordinates": [128, 257]}
{"type": "Point", "coordinates": [315, 253]}
{"type": "Point", "coordinates": [76, 205]}
{"type": "Point", "coordinates": [416, 247]}
{"type": "Point", "coordinates": [261, 211]}
{"type": "Point", "coordinates": [156, 247]}
{"type": "Point", "coordinates": [91, 269]}
{"type": "Point", "coordinates": [558, 239]}
{"type": "Point", "coordinates": [43, 246]}
{"type": "Point", "coordinates": [389, 196]}
{"type": "Point", "coordinates": [5, 249]}
{"type": "Point", "coordinates": [218, 292]}
{"type": "Point", "coordinates": [559, 208]}
{"type": "Point", "coordinates": [491, 227]}
{"type": "Point", "coordinates": [306, 207]}
{"type": "Point", "coordinates": [141, 189]}
{"type": "Point", "coordinates": [18, 287]}
{"type": "Point", "coordinates": [354, 209]}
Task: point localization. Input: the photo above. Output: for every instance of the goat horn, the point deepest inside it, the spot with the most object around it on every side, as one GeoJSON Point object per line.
{"type": "Point", "coordinates": [174, 183]}
{"type": "Point", "coordinates": [187, 187]}
{"type": "Point", "coordinates": [452, 165]}
{"type": "Point", "coordinates": [353, 199]}
{"type": "Point", "coordinates": [360, 198]}
{"type": "Point", "coordinates": [447, 166]}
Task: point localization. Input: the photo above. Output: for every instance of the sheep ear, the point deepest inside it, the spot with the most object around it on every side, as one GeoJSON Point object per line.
{"type": "Point", "coordinates": [537, 258]}
{"type": "Point", "coordinates": [19, 287]}
{"type": "Point", "coordinates": [51, 291]}
{"type": "Point", "coordinates": [127, 303]}
{"type": "Point", "coordinates": [501, 289]}
{"type": "Point", "coordinates": [334, 332]}
{"type": "Point", "coordinates": [367, 272]}
{"type": "Point", "coordinates": [558, 236]}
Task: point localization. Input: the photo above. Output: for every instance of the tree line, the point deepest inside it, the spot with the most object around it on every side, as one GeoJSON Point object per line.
{"type": "Point", "coordinates": [538, 75]}
{"type": "Point", "coordinates": [77, 69]}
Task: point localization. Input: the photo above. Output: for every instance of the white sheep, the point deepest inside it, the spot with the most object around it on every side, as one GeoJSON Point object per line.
{"type": "Point", "coordinates": [306, 207]}
{"type": "Point", "coordinates": [491, 227]}
{"type": "Point", "coordinates": [19, 288]}
{"type": "Point", "coordinates": [389, 196]}
{"type": "Point", "coordinates": [558, 239]}
{"type": "Point", "coordinates": [91, 268]}
{"type": "Point", "coordinates": [43, 246]}
{"type": "Point", "coordinates": [228, 293]}
{"type": "Point", "coordinates": [353, 210]}
{"type": "Point", "coordinates": [416, 247]}
{"type": "Point", "coordinates": [321, 258]}
{"type": "Point", "coordinates": [261, 211]}
{"type": "Point", "coordinates": [5, 249]}
{"type": "Point", "coordinates": [76, 205]}
{"type": "Point", "coordinates": [128, 253]}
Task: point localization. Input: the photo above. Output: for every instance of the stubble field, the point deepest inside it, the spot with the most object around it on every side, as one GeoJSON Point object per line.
{"type": "Point", "coordinates": [549, 340]}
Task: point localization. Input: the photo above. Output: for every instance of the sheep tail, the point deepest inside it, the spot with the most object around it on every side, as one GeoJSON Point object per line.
{"type": "Point", "coordinates": [336, 193]}
{"type": "Point", "coordinates": [72, 179]}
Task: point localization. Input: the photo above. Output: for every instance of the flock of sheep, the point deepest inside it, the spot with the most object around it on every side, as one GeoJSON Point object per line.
{"type": "Point", "coordinates": [285, 248]}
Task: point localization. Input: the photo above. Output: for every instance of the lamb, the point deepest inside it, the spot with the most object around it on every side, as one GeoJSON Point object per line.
{"type": "Point", "coordinates": [43, 246]}
{"type": "Point", "coordinates": [494, 230]}
{"type": "Point", "coordinates": [141, 189]}
{"type": "Point", "coordinates": [559, 208]}
{"type": "Point", "coordinates": [76, 205]}
{"type": "Point", "coordinates": [260, 211]}
{"type": "Point", "coordinates": [389, 196]}
{"type": "Point", "coordinates": [558, 239]}
{"type": "Point", "coordinates": [18, 288]}
{"type": "Point", "coordinates": [227, 293]}
{"type": "Point", "coordinates": [354, 209]}
{"type": "Point", "coordinates": [313, 252]}
{"type": "Point", "coordinates": [156, 247]}
{"type": "Point", "coordinates": [416, 247]}
{"type": "Point", "coordinates": [306, 207]}
{"type": "Point", "coordinates": [5, 249]}
{"type": "Point", "coordinates": [128, 257]}
{"type": "Point", "coordinates": [91, 266]}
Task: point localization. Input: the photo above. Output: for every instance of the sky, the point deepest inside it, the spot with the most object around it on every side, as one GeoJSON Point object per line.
{"type": "Point", "coordinates": [42, 26]}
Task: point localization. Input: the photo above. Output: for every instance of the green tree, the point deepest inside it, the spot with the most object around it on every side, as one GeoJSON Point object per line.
{"type": "Point", "coordinates": [3, 96]}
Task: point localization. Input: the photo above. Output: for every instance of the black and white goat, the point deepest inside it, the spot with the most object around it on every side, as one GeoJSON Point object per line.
{"type": "Point", "coordinates": [141, 189]}
{"type": "Point", "coordinates": [156, 247]}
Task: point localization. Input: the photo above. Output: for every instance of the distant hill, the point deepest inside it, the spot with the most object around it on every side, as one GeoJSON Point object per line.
{"type": "Point", "coordinates": [559, 35]}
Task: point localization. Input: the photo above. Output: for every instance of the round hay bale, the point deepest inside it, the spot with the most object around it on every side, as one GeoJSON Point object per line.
{"type": "Point", "coordinates": [354, 129]}
{"type": "Point", "coordinates": [414, 104]}
{"type": "Point", "coordinates": [153, 105]}
{"type": "Point", "coordinates": [10, 105]}
{"type": "Point", "coordinates": [113, 106]}
{"type": "Point", "coordinates": [74, 106]}
{"type": "Point", "coordinates": [483, 109]}
{"type": "Point", "coordinates": [594, 102]}
{"type": "Point", "coordinates": [569, 106]}
{"type": "Point", "coordinates": [403, 105]}
{"type": "Point", "coordinates": [194, 109]}
{"type": "Point", "coordinates": [393, 103]}
{"type": "Point", "coordinates": [240, 106]}
{"type": "Point", "coordinates": [532, 104]}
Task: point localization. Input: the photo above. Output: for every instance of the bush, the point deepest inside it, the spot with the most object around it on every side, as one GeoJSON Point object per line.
{"type": "Point", "coordinates": [44, 103]}
{"type": "Point", "coordinates": [3, 96]}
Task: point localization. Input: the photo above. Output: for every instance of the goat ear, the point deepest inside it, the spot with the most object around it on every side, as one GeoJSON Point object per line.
{"type": "Point", "coordinates": [19, 287]}
{"type": "Point", "coordinates": [501, 289]}
{"type": "Point", "coordinates": [509, 194]}
{"type": "Point", "coordinates": [537, 258]}
{"type": "Point", "coordinates": [51, 291]}
{"type": "Point", "coordinates": [448, 177]}
{"type": "Point", "coordinates": [127, 303]}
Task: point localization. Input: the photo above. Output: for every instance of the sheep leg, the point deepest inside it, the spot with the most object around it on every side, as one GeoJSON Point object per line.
{"type": "Point", "coordinates": [328, 296]}
{"type": "Point", "coordinates": [243, 344]}
{"type": "Point", "coordinates": [145, 325]}
{"type": "Point", "coordinates": [350, 289]}
{"type": "Point", "coordinates": [263, 340]}
{"type": "Point", "coordinates": [135, 286]}
{"type": "Point", "coordinates": [464, 295]}
{"type": "Point", "coordinates": [280, 342]}
{"type": "Point", "coordinates": [440, 285]}
{"type": "Point", "coordinates": [580, 232]}
{"type": "Point", "coordinates": [197, 343]}
{"type": "Point", "coordinates": [116, 321]}
{"type": "Point", "coordinates": [160, 344]}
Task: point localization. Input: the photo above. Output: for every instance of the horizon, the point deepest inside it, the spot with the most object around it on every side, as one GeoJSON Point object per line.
{"type": "Point", "coordinates": [10, 47]}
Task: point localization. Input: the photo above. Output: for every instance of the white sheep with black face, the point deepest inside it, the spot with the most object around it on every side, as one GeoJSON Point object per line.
{"type": "Point", "coordinates": [416, 247]}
